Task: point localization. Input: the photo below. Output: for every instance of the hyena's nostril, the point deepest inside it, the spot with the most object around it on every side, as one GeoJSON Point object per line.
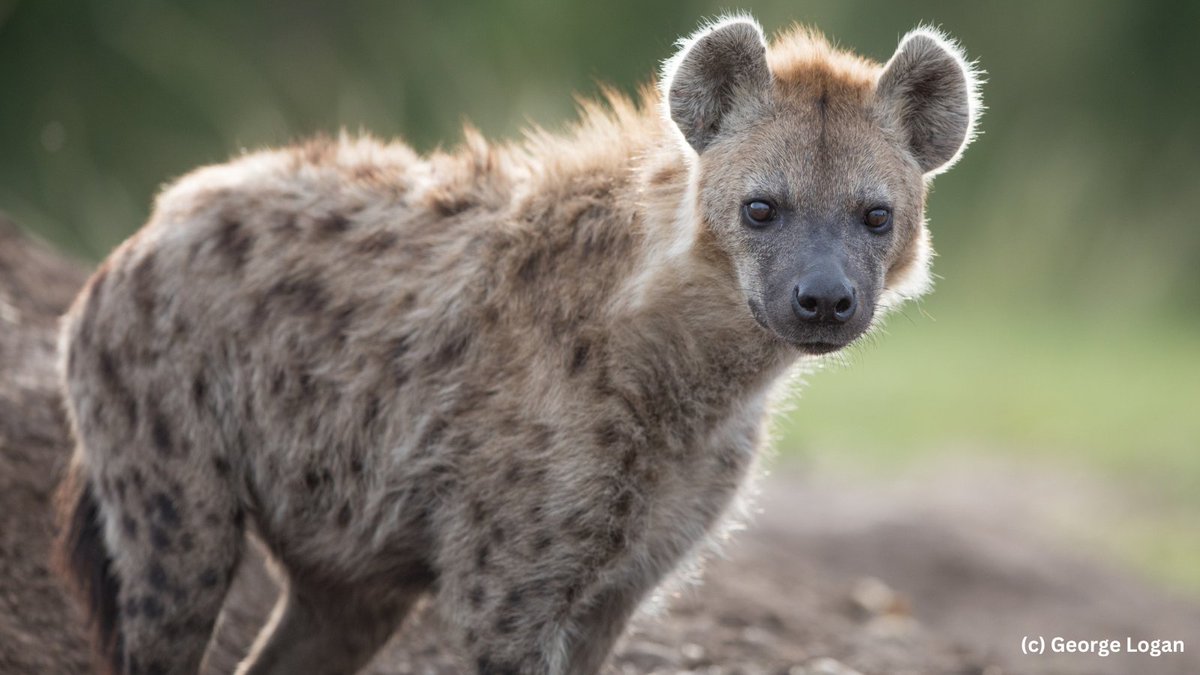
{"type": "Point", "coordinates": [824, 298]}
{"type": "Point", "coordinates": [805, 305]}
{"type": "Point", "coordinates": [844, 308]}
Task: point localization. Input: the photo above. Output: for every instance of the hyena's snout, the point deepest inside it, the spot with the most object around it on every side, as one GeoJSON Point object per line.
{"type": "Point", "coordinates": [825, 296]}
{"type": "Point", "coordinates": [828, 307]}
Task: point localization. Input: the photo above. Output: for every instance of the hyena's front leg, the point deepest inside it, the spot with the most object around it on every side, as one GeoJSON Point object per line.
{"type": "Point", "coordinates": [561, 618]}
{"type": "Point", "coordinates": [550, 589]}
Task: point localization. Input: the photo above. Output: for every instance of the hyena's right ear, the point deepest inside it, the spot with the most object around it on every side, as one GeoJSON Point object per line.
{"type": "Point", "coordinates": [718, 73]}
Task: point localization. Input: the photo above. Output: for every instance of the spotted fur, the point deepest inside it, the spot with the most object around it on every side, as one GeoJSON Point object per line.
{"type": "Point", "coordinates": [524, 379]}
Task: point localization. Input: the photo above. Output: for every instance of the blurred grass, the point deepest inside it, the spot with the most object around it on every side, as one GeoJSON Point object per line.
{"type": "Point", "coordinates": [1121, 397]}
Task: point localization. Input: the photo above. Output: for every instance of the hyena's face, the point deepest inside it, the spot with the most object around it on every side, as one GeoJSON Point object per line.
{"type": "Point", "coordinates": [812, 169]}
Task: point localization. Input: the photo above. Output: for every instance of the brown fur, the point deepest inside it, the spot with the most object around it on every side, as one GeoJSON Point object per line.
{"type": "Point", "coordinates": [522, 378]}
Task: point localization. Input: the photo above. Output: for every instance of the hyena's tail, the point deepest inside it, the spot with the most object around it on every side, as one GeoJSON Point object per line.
{"type": "Point", "coordinates": [81, 557]}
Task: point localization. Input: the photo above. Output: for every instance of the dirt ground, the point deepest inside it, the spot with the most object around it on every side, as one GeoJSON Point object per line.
{"type": "Point", "coordinates": [939, 572]}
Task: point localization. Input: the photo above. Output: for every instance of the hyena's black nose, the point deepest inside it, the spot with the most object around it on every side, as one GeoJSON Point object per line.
{"type": "Point", "coordinates": [824, 297]}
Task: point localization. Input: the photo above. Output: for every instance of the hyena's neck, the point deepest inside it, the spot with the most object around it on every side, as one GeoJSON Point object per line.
{"type": "Point", "coordinates": [682, 302]}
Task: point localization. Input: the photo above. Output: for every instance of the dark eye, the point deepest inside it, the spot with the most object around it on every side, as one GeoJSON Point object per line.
{"type": "Point", "coordinates": [759, 212]}
{"type": "Point", "coordinates": [879, 220]}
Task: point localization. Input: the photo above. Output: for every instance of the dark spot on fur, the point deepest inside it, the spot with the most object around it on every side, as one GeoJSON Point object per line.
{"type": "Point", "coordinates": [164, 506]}
{"type": "Point", "coordinates": [579, 358]}
{"type": "Point", "coordinates": [462, 443]}
{"type": "Point", "coordinates": [151, 607]}
{"type": "Point", "coordinates": [491, 315]}
{"type": "Point", "coordinates": [667, 173]}
{"type": "Point", "coordinates": [476, 596]}
{"type": "Point", "coordinates": [159, 539]}
{"type": "Point", "coordinates": [156, 576]}
{"type": "Point", "coordinates": [129, 526]}
{"type": "Point", "coordinates": [486, 666]}
{"type": "Point", "coordinates": [340, 323]}
{"type": "Point", "coordinates": [482, 553]}
{"type": "Point", "coordinates": [356, 466]}
{"type": "Point", "coordinates": [628, 459]}
{"type": "Point", "coordinates": [615, 540]}
{"type": "Point", "coordinates": [303, 295]}
{"type": "Point", "coordinates": [543, 436]}
{"type": "Point", "coordinates": [233, 242]}
{"type": "Point", "coordinates": [222, 467]}
{"type": "Point", "coordinates": [514, 473]}
{"type": "Point", "coordinates": [186, 542]}
{"type": "Point", "coordinates": [376, 243]}
{"type": "Point", "coordinates": [530, 267]}
{"type": "Point", "coordinates": [577, 525]}
{"type": "Point", "coordinates": [160, 432]}
{"type": "Point", "coordinates": [344, 515]}
{"type": "Point", "coordinates": [209, 578]}
{"type": "Point", "coordinates": [513, 598]}
{"type": "Point", "coordinates": [451, 351]}
{"type": "Point", "coordinates": [424, 515]}
{"type": "Point", "coordinates": [506, 623]}
{"type": "Point", "coordinates": [199, 389]}
{"type": "Point", "coordinates": [498, 534]}
{"type": "Point", "coordinates": [536, 514]}
{"type": "Point", "coordinates": [142, 280]}
{"type": "Point", "coordinates": [478, 512]}
{"type": "Point", "coordinates": [609, 433]}
{"type": "Point", "coordinates": [623, 504]}
{"type": "Point", "coordinates": [366, 172]}
{"type": "Point", "coordinates": [434, 432]}
{"type": "Point", "coordinates": [312, 480]}
{"type": "Point", "coordinates": [155, 668]}
{"type": "Point", "coordinates": [542, 543]}
{"type": "Point", "coordinates": [332, 225]}
{"type": "Point", "coordinates": [398, 350]}
{"type": "Point", "coordinates": [370, 410]}
{"type": "Point", "coordinates": [447, 205]}
{"type": "Point", "coordinates": [112, 380]}
{"type": "Point", "coordinates": [278, 382]}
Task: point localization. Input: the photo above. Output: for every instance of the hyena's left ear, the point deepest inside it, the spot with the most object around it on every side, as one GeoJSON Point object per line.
{"type": "Point", "coordinates": [719, 74]}
{"type": "Point", "coordinates": [930, 90]}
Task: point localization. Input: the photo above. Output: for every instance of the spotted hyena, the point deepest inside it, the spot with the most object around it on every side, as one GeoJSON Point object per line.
{"type": "Point", "coordinates": [527, 380]}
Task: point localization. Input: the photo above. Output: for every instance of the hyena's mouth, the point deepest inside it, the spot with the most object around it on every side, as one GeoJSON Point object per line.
{"type": "Point", "coordinates": [819, 348]}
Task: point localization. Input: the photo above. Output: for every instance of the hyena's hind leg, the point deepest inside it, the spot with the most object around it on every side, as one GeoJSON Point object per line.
{"type": "Point", "coordinates": [153, 553]}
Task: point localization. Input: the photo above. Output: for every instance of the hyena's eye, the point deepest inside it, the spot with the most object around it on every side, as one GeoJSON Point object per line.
{"type": "Point", "coordinates": [879, 220]}
{"type": "Point", "coordinates": [758, 212]}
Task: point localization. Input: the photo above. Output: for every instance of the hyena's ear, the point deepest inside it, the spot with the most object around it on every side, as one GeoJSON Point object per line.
{"type": "Point", "coordinates": [719, 73]}
{"type": "Point", "coordinates": [930, 90]}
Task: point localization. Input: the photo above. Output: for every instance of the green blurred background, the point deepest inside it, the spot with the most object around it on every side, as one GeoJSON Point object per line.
{"type": "Point", "coordinates": [1065, 331]}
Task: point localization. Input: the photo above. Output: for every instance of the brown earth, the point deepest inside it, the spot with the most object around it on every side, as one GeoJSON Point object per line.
{"type": "Point", "coordinates": [941, 573]}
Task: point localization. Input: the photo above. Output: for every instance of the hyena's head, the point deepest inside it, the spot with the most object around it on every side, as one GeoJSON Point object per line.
{"type": "Point", "coordinates": [812, 165]}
